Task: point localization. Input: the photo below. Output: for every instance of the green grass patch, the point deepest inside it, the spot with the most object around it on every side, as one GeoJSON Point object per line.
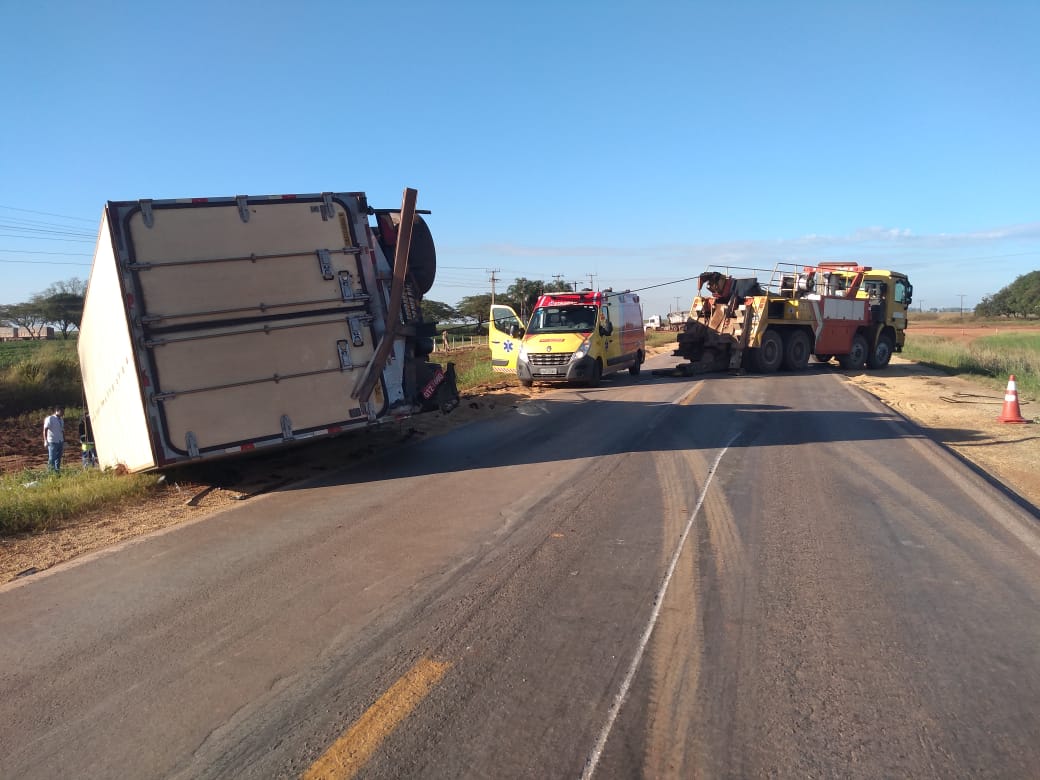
{"type": "Point", "coordinates": [38, 500]}
{"type": "Point", "coordinates": [45, 373]}
{"type": "Point", "coordinates": [993, 358]}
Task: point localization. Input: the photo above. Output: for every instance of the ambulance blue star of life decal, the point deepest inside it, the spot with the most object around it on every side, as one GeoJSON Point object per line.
{"type": "Point", "coordinates": [508, 346]}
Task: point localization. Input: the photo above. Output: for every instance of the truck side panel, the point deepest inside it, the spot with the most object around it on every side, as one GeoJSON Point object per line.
{"type": "Point", "coordinates": [109, 366]}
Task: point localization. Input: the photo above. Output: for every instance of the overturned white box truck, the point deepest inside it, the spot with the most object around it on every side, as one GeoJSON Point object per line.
{"type": "Point", "coordinates": [217, 326]}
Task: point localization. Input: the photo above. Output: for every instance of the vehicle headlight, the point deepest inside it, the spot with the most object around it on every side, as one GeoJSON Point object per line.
{"type": "Point", "coordinates": [583, 350]}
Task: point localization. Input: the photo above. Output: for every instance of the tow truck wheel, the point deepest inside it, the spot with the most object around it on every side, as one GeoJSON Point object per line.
{"type": "Point", "coordinates": [637, 366]}
{"type": "Point", "coordinates": [796, 350]}
{"type": "Point", "coordinates": [857, 356]}
{"type": "Point", "coordinates": [767, 358]}
{"type": "Point", "coordinates": [882, 353]}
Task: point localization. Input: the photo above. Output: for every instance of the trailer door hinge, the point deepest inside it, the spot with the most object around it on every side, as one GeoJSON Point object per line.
{"type": "Point", "coordinates": [346, 285]}
{"type": "Point", "coordinates": [325, 263]}
{"type": "Point", "coordinates": [193, 444]}
{"type": "Point", "coordinates": [287, 430]}
{"type": "Point", "coordinates": [328, 211]}
{"type": "Point", "coordinates": [146, 212]}
{"type": "Point", "coordinates": [243, 207]}
{"type": "Point", "coordinates": [345, 363]}
{"type": "Point", "coordinates": [355, 332]}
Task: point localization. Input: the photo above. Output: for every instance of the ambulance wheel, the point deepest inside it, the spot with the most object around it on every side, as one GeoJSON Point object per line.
{"type": "Point", "coordinates": [857, 356]}
{"type": "Point", "coordinates": [882, 353]}
{"type": "Point", "coordinates": [635, 368]}
{"type": "Point", "coordinates": [767, 358]}
{"type": "Point", "coordinates": [796, 350]}
{"type": "Point", "coordinates": [597, 374]}
{"type": "Point", "coordinates": [526, 382]}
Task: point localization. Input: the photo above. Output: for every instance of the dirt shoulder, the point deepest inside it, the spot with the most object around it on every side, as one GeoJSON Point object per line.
{"type": "Point", "coordinates": [962, 415]}
{"type": "Point", "coordinates": [956, 412]}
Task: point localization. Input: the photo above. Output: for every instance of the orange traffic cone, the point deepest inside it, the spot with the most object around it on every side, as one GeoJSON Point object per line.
{"type": "Point", "coordinates": [1011, 413]}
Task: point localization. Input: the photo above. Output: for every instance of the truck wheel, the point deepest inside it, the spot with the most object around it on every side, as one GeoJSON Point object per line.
{"type": "Point", "coordinates": [422, 253]}
{"type": "Point", "coordinates": [882, 353]}
{"type": "Point", "coordinates": [767, 358]}
{"type": "Point", "coordinates": [796, 350]}
{"type": "Point", "coordinates": [635, 368]}
{"type": "Point", "coordinates": [857, 356]}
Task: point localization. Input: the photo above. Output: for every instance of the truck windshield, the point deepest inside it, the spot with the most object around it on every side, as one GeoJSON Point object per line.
{"type": "Point", "coordinates": [563, 319]}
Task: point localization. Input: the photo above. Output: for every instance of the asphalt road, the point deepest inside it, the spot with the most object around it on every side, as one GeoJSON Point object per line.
{"type": "Point", "coordinates": [727, 577]}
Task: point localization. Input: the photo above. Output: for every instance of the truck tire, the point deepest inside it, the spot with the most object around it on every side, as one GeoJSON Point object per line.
{"type": "Point", "coordinates": [767, 358]}
{"type": "Point", "coordinates": [796, 350]}
{"type": "Point", "coordinates": [635, 368]}
{"type": "Point", "coordinates": [422, 253]}
{"type": "Point", "coordinates": [857, 356]}
{"type": "Point", "coordinates": [882, 353]}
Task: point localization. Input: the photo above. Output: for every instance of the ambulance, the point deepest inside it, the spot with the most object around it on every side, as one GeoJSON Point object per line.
{"type": "Point", "coordinates": [571, 337]}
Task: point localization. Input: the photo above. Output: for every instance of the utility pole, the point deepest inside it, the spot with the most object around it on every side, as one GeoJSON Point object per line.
{"type": "Point", "coordinates": [493, 271]}
{"type": "Point", "coordinates": [592, 284]}
{"type": "Point", "coordinates": [962, 307]}
{"type": "Point", "coordinates": [676, 303]}
{"type": "Point", "coordinates": [556, 278]}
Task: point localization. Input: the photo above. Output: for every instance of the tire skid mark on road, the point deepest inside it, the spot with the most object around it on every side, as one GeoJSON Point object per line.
{"type": "Point", "coordinates": [675, 653]}
{"type": "Point", "coordinates": [622, 694]}
{"type": "Point", "coordinates": [349, 754]}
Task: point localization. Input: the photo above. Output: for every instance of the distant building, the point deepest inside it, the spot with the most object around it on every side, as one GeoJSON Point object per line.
{"type": "Point", "coordinates": [11, 333]}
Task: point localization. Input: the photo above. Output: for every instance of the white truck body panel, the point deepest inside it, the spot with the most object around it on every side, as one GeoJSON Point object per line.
{"type": "Point", "coordinates": [110, 376]}
{"type": "Point", "coordinates": [217, 326]}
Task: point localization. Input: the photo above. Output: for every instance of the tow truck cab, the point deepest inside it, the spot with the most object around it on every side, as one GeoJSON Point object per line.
{"type": "Point", "coordinates": [571, 337]}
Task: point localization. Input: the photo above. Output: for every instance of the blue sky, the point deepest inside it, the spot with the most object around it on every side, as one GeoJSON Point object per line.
{"type": "Point", "coordinates": [637, 141]}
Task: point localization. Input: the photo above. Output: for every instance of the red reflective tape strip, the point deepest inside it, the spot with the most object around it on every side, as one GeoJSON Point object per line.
{"type": "Point", "coordinates": [248, 447]}
{"type": "Point", "coordinates": [200, 200]}
{"type": "Point", "coordinates": [335, 429]}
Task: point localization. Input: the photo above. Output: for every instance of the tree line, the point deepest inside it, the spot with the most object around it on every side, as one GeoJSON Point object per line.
{"type": "Point", "coordinates": [521, 295]}
{"type": "Point", "coordinates": [60, 306]}
{"type": "Point", "coordinates": [1021, 298]}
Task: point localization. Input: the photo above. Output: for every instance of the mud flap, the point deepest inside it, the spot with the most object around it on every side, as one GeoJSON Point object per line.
{"type": "Point", "coordinates": [440, 389]}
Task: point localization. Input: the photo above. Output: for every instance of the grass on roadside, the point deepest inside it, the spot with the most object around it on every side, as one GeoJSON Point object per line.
{"type": "Point", "coordinates": [38, 500]}
{"type": "Point", "coordinates": [993, 358]}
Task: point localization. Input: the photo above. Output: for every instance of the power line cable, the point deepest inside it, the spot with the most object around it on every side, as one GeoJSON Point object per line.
{"type": "Point", "coordinates": [38, 252]}
{"type": "Point", "coordinates": [44, 238]}
{"type": "Point", "coordinates": [44, 262]}
{"type": "Point", "coordinates": [46, 213]}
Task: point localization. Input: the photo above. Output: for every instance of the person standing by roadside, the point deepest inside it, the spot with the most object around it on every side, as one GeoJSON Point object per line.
{"type": "Point", "coordinates": [54, 437]}
{"type": "Point", "coordinates": [86, 442]}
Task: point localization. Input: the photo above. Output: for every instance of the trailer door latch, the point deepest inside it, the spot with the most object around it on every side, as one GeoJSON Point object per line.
{"type": "Point", "coordinates": [287, 430]}
{"type": "Point", "coordinates": [193, 444]}
{"type": "Point", "coordinates": [325, 263]}
{"type": "Point", "coordinates": [345, 363]}
{"type": "Point", "coordinates": [243, 207]}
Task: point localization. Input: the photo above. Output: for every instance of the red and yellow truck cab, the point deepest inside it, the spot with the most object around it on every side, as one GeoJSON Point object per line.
{"type": "Point", "coordinates": [571, 337]}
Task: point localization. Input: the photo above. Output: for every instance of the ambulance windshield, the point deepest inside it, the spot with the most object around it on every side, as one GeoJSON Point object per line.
{"type": "Point", "coordinates": [563, 319]}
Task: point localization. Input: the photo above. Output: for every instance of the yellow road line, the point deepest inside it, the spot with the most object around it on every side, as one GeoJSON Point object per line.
{"type": "Point", "coordinates": [348, 754]}
{"type": "Point", "coordinates": [687, 399]}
